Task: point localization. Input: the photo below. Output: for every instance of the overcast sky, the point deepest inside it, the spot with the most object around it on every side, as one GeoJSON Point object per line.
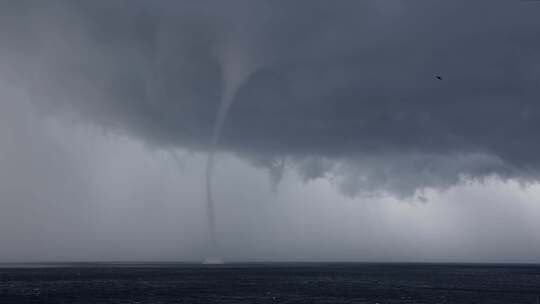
{"type": "Point", "coordinates": [340, 142]}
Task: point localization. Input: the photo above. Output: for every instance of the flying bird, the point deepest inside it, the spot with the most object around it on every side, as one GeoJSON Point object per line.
{"type": "Point", "coordinates": [438, 77]}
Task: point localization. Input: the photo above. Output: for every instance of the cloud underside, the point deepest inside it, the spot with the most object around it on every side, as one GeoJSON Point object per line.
{"type": "Point", "coordinates": [348, 90]}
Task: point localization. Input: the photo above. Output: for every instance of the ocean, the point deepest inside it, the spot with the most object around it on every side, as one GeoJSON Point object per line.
{"type": "Point", "coordinates": [269, 283]}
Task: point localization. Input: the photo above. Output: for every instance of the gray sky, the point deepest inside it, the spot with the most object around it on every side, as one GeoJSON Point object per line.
{"type": "Point", "coordinates": [340, 143]}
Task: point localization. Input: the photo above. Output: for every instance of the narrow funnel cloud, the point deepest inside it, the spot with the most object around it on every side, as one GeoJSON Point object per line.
{"type": "Point", "coordinates": [236, 69]}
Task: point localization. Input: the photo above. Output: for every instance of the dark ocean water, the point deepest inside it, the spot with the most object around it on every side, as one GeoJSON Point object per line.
{"type": "Point", "coordinates": [269, 283]}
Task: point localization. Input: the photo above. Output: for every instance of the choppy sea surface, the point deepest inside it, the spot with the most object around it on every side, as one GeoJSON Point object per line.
{"type": "Point", "coordinates": [269, 283]}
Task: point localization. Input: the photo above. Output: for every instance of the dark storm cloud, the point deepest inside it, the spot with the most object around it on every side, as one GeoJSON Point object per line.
{"type": "Point", "coordinates": [346, 87]}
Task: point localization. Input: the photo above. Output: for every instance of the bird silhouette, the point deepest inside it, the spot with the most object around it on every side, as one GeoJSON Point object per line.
{"type": "Point", "coordinates": [438, 77]}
